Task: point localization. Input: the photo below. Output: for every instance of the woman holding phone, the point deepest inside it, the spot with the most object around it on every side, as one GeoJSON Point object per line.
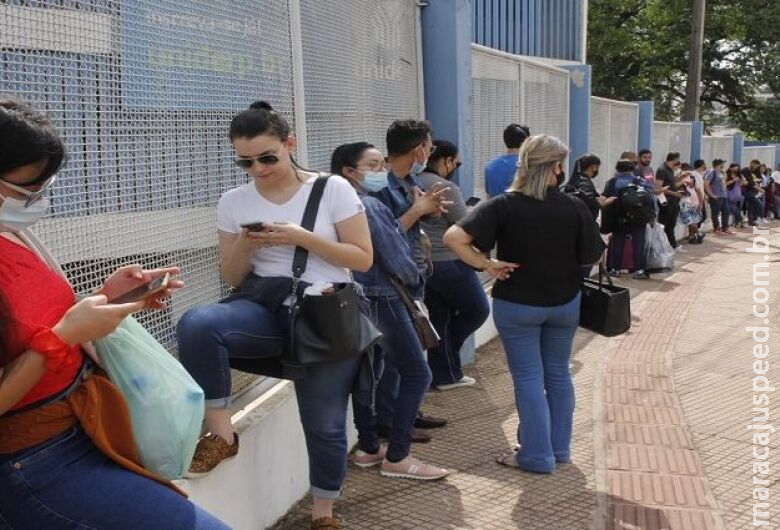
{"type": "Point", "coordinates": [208, 336]}
{"type": "Point", "coordinates": [53, 474]}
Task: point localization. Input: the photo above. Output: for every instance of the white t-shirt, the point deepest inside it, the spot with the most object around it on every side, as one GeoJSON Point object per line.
{"type": "Point", "coordinates": [245, 205]}
{"type": "Point", "coordinates": [698, 184]}
{"type": "Point", "coordinates": [776, 176]}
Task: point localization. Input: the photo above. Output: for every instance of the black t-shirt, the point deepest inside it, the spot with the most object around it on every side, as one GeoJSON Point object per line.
{"type": "Point", "coordinates": [666, 175]}
{"type": "Point", "coordinates": [550, 240]}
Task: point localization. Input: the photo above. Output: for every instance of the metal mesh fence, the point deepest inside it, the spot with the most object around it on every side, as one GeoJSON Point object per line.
{"type": "Point", "coordinates": [507, 89]}
{"type": "Point", "coordinates": [713, 147]}
{"type": "Point", "coordinates": [360, 72]}
{"type": "Point", "coordinates": [143, 93]}
{"type": "Point", "coordinates": [614, 126]}
{"type": "Point", "coordinates": [510, 89]}
{"type": "Point", "coordinates": [668, 137]}
{"type": "Point", "coordinates": [765, 154]}
{"type": "Point", "coordinates": [496, 97]}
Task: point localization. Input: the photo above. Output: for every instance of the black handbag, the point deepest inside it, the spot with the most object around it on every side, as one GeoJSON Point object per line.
{"type": "Point", "coordinates": [328, 327]}
{"type": "Point", "coordinates": [605, 308]}
{"type": "Point", "coordinates": [429, 337]}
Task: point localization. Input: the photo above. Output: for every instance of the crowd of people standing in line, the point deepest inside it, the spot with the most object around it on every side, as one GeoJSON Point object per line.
{"type": "Point", "coordinates": [679, 193]}
{"type": "Point", "coordinates": [392, 224]}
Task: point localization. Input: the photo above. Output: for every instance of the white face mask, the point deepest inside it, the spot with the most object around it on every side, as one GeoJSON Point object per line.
{"type": "Point", "coordinates": [17, 214]}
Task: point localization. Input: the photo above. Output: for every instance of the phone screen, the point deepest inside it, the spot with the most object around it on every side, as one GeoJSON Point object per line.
{"type": "Point", "coordinates": [472, 201]}
{"type": "Point", "coordinates": [143, 291]}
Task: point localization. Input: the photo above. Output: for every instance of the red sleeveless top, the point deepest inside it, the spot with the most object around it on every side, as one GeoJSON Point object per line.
{"type": "Point", "coordinates": [37, 297]}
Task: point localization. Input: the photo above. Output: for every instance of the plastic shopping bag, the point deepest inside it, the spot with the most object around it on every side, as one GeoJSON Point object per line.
{"type": "Point", "coordinates": [166, 404]}
{"type": "Point", "coordinates": [658, 250]}
{"type": "Point", "coordinates": [689, 214]}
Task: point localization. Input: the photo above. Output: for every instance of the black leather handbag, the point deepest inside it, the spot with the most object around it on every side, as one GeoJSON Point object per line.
{"type": "Point", "coordinates": [331, 326]}
{"type": "Point", "coordinates": [605, 308]}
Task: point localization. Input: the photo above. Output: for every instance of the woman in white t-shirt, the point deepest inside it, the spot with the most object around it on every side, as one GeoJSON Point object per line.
{"type": "Point", "coordinates": [210, 335]}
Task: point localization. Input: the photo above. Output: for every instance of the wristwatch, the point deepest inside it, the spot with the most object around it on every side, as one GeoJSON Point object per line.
{"type": "Point", "coordinates": [52, 347]}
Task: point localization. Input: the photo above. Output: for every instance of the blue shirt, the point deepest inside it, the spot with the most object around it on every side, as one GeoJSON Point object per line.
{"type": "Point", "coordinates": [717, 184]}
{"type": "Point", "coordinates": [499, 174]}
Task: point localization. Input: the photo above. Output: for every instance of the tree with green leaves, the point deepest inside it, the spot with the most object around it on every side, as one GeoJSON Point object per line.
{"type": "Point", "coordinates": [639, 50]}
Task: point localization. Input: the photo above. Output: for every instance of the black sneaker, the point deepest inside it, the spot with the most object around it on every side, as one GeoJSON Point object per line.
{"type": "Point", "coordinates": [614, 273]}
{"type": "Point", "coordinates": [418, 436]}
{"type": "Point", "coordinates": [640, 274]}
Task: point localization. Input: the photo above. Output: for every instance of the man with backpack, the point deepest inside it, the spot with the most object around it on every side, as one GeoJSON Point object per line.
{"type": "Point", "coordinates": [629, 216]}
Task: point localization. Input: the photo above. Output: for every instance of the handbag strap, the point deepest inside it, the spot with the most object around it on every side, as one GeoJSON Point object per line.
{"type": "Point", "coordinates": [406, 298]}
{"type": "Point", "coordinates": [604, 274]}
{"type": "Point", "coordinates": [301, 256]}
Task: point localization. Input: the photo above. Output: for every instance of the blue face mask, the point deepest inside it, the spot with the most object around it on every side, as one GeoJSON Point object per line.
{"type": "Point", "coordinates": [417, 168]}
{"type": "Point", "coordinates": [374, 180]}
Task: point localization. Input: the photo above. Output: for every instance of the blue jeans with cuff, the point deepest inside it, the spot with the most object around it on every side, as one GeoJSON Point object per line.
{"type": "Point", "coordinates": [209, 335]}
{"type": "Point", "coordinates": [538, 343]}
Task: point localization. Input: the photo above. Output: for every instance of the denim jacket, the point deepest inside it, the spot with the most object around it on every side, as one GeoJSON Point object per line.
{"type": "Point", "coordinates": [394, 197]}
{"type": "Point", "coordinates": [392, 254]}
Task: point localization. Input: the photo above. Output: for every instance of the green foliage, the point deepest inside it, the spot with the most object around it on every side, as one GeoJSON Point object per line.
{"type": "Point", "coordinates": [639, 51]}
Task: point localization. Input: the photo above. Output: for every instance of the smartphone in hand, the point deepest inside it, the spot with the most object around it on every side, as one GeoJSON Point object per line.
{"type": "Point", "coordinates": [472, 201]}
{"type": "Point", "coordinates": [257, 226]}
{"type": "Point", "coordinates": [144, 291]}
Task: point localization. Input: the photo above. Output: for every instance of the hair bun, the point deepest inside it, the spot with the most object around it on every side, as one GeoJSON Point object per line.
{"type": "Point", "coordinates": [264, 105]}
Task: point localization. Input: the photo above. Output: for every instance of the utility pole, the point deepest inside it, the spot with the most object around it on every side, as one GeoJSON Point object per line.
{"type": "Point", "coordinates": [692, 89]}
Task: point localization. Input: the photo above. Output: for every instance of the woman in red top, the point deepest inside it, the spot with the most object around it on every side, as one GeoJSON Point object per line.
{"type": "Point", "coordinates": [61, 480]}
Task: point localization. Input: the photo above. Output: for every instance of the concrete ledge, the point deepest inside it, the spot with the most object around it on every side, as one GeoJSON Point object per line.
{"type": "Point", "coordinates": [270, 473]}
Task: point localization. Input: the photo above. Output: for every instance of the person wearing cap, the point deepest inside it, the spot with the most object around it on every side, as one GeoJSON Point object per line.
{"type": "Point", "coordinates": [715, 189]}
{"type": "Point", "coordinates": [500, 172]}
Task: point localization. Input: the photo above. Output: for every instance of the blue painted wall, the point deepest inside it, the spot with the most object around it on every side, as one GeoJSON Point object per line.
{"type": "Point", "coordinates": [579, 111]}
{"type": "Point", "coordinates": [697, 131]}
{"type": "Point", "coordinates": [545, 28]}
{"type": "Point", "coordinates": [646, 117]}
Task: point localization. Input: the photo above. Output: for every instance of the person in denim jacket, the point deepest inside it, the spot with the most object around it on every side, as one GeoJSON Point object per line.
{"type": "Point", "coordinates": [393, 258]}
{"type": "Point", "coordinates": [409, 145]}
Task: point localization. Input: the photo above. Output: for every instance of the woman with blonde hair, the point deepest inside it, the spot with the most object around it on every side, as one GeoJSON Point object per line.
{"type": "Point", "coordinates": [543, 237]}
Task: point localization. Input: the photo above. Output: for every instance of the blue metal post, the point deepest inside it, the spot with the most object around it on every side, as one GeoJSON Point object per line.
{"type": "Point", "coordinates": [697, 131]}
{"type": "Point", "coordinates": [646, 117]}
{"type": "Point", "coordinates": [579, 111]}
{"type": "Point", "coordinates": [446, 41]}
{"type": "Point", "coordinates": [739, 146]}
{"type": "Point", "coordinates": [777, 157]}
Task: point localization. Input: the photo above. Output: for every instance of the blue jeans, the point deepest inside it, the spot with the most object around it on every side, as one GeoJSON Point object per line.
{"type": "Point", "coordinates": [720, 213]}
{"type": "Point", "coordinates": [755, 208]}
{"type": "Point", "coordinates": [458, 306]}
{"type": "Point", "coordinates": [209, 335]}
{"type": "Point", "coordinates": [736, 211]}
{"type": "Point", "coordinates": [68, 483]}
{"type": "Point", "coordinates": [405, 354]}
{"type": "Point", "coordinates": [538, 343]}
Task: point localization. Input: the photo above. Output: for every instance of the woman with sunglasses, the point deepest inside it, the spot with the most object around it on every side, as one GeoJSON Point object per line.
{"type": "Point", "coordinates": [258, 230]}
{"type": "Point", "coordinates": [454, 295]}
{"type": "Point", "coordinates": [67, 456]}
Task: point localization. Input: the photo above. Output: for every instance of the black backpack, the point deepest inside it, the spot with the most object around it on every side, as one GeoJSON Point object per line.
{"type": "Point", "coordinates": [636, 204]}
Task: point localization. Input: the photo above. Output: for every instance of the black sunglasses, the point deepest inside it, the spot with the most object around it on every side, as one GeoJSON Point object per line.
{"type": "Point", "coordinates": [266, 160]}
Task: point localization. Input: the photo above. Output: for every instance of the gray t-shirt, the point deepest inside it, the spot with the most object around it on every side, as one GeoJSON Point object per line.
{"type": "Point", "coordinates": [435, 227]}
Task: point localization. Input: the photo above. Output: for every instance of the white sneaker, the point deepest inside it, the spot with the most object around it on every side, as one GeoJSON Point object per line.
{"type": "Point", "coordinates": [680, 249]}
{"type": "Point", "coordinates": [465, 381]}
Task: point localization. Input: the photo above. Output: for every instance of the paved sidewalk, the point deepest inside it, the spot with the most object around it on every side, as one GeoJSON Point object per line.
{"type": "Point", "coordinates": [660, 427]}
